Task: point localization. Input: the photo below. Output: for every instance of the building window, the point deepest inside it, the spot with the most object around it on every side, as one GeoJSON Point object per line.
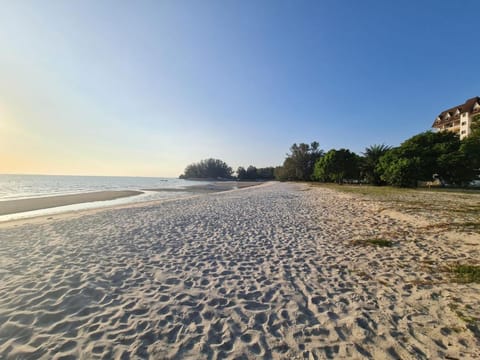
{"type": "Point", "coordinates": [463, 132]}
{"type": "Point", "coordinates": [464, 123]}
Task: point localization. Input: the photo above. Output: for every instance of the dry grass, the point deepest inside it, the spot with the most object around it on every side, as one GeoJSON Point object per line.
{"type": "Point", "coordinates": [447, 209]}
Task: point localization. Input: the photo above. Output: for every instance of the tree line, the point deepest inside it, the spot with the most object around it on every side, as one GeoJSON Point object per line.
{"type": "Point", "coordinates": [252, 173]}
{"type": "Point", "coordinates": [424, 157]}
{"type": "Point", "coordinates": [208, 169]}
{"type": "Point", "coordinates": [219, 170]}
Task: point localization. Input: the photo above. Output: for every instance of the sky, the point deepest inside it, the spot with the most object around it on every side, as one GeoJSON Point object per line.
{"type": "Point", "coordinates": [144, 88]}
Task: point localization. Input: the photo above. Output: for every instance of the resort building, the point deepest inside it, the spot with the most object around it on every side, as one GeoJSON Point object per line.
{"type": "Point", "coordinates": [459, 118]}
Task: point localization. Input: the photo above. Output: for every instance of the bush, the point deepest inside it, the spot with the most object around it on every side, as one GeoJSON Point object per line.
{"type": "Point", "coordinates": [336, 166]}
{"type": "Point", "coordinates": [208, 169]}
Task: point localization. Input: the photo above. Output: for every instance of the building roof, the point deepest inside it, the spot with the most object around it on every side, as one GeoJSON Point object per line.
{"type": "Point", "coordinates": [466, 107]}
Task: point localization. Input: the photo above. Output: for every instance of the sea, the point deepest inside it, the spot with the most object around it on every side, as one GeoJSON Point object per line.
{"type": "Point", "coordinates": [14, 187]}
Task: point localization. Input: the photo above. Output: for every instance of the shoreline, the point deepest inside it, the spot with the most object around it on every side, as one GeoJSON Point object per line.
{"type": "Point", "coordinates": [215, 186]}
{"type": "Point", "coordinates": [196, 191]}
{"type": "Point", "coordinates": [9, 207]}
{"type": "Point", "coordinates": [18, 206]}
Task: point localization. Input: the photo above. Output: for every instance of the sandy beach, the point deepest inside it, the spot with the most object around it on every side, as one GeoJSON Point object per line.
{"type": "Point", "coordinates": [277, 271]}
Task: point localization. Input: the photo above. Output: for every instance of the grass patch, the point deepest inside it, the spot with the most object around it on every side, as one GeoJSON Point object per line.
{"type": "Point", "coordinates": [458, 226]}
{"type": "Point", "coordinates": [368, 190]}
{"type": "Point", "coordinates": [475, 226]}
{"type": "Point", "coordinates": [392, 193]}
{"type": "Point", "coordinates": [434, 203]}
{"type": "Point", "coordinates": [466, 273]}
{"type": "Point", "coordinates": [468, 210]}
{"type": "Point", "coordinates": [375, 242]}
{"type": "Point", "coordinates": [391, 190]}
{"type": "Point", "coordinates": [380, 242]}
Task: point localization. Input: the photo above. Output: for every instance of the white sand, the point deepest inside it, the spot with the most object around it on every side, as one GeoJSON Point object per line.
{"type": "Point", "coordinates": [263, 272]}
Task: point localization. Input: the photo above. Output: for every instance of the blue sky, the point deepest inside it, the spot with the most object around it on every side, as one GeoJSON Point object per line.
{"type": "Point", "coordinates": [147, 87]}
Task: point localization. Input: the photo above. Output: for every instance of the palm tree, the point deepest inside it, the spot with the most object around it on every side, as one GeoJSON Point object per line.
{"type": "Point", "coordinates": [371, 157]}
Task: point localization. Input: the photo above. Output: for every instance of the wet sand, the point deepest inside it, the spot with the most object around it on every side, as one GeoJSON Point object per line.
{"type": "Point", "coordinates": [216, 186]}
{"type": "Point", "coordinates": [22, 205]}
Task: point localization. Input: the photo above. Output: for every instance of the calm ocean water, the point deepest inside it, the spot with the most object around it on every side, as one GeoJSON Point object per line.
{"type": "Point", "coordinates": [29, 186]}
{"type": "Point", "coordinates": [13, 187]}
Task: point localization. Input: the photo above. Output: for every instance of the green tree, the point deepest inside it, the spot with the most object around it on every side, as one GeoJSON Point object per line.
{"type": "Point", "coordinates": [241, 173]}
{"type": "Point", "coordinates": [475, 126]}
{"type": "Point", "coordinates": [280, 173]}
{"type": "Point", "coordinates": [456, 167]}
{"type": "Point", "coordinates": [208, 169]}
{"type": "Point", "coordinates": [251, 172]}
{"type": "Point", "coordinates": [370, 161]}
{"type": "Point", "coordinates": [337, 166]}
{"type": "Point", "coordinates": [422, 156]}
{"type": "Point", "coordinates": [397, 170]}
{"type": "Point", "coordinates": [265, 173]}
{"type": "Point", "coordinates": [470, 147]}
{"type": "Point", "coordinates": [299, 163]}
